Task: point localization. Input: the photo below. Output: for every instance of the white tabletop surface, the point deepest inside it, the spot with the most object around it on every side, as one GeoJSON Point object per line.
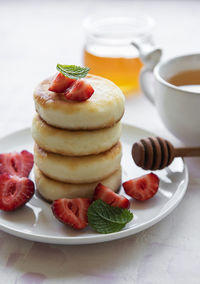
{"type": "Point", "coordinates": [35, 35]}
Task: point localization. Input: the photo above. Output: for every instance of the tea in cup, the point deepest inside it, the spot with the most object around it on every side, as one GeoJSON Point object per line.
{"type": "Point", "coordinates": [175, 91]}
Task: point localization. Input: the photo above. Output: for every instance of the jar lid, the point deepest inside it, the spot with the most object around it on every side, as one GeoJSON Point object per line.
{"type": "Point", "coordinates": [118, 26]}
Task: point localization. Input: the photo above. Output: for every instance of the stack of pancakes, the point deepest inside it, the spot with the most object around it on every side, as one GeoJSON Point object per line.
{"type": "Point", "coordinates": [77, 143]}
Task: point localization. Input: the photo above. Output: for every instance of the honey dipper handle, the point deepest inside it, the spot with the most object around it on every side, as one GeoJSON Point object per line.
{"type": "Point", "coordinates": [187, 152]}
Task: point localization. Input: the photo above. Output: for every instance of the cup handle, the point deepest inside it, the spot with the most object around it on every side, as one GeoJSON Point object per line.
{"type": "Point", "coordinates": [150, 56]}
{"type": "Point", "coordinates": [146, 84]}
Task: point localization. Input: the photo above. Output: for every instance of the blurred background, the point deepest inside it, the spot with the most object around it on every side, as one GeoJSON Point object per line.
{"type": "Point", "coordinates": [36, 35]}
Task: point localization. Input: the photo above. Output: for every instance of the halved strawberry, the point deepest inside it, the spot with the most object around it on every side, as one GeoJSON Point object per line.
{"type": "Point", "coordinates": [14, 191]}
{"type": "Point", "coordinates": [60, 83]}
{"type": "Point", "coordinates": [19, 164]}
{"type": "Point", "coordinates": [72, 211]}
{"type": "Point", "coordinates": [142, 188]}
{"type": "Point", "coordinates": [80, 90]}
{"type": "Point", "coordinates": [107, 195]}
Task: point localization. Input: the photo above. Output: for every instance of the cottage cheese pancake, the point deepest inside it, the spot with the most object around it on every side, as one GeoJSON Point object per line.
{"type": "Point", "coordinates": [84, 169]}
{"type": "Point", "coordinates": [74, 143]}
{"type": "Point", "coordinates": [103, 109]}
{"type": "Point", "coordinates": [51, 190]}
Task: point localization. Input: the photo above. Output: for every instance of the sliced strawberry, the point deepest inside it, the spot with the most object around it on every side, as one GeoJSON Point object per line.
{"type": "Point", "coordinates": [14, 191]}
{"type": "Point", "coordinates": [60, 83]}
{"type": "Point", "coordinates": [72, 211]}
{"type": "Point", "coordinates": [81, 90]}
{"type": "Point", "coordinates": [107, 195]}
{"type": "Point", "coordinates": [19, 164]}
{"type": "Point", "coordinates": [142, 188]}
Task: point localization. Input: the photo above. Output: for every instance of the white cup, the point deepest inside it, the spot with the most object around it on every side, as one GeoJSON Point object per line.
{"type": "Point", "coordinates": [179, 109]}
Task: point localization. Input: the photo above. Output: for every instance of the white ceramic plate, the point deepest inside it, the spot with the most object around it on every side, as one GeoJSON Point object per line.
{"type": "Point", "coordinates": [36, 222]}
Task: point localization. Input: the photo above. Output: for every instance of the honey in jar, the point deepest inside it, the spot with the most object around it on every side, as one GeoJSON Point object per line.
{"type": "Point", "coordinates": [108, 51]}
{"type": "Point", "coordinates": [124, 72]}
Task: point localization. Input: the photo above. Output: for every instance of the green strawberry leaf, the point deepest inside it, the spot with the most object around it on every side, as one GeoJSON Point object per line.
{"type": "Point", "coordinates": [73, 71]}
{"type": "Point", "coordinates": [106, 219]}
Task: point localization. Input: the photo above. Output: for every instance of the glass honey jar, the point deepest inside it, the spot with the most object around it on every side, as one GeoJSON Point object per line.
{"type": "Point", "coordinates": [108, 51]}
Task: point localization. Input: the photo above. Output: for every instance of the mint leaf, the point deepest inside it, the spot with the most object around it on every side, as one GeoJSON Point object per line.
{"type": "Point", "coordinates": [73, 71]}
{"type": "Point", "coordinates": [106, 219]}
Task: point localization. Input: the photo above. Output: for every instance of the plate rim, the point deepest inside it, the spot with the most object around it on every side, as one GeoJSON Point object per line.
{"type": "Point", "coordinates": [101, 237]}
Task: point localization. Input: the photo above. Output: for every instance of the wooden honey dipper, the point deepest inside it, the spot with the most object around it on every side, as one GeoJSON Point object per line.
{"type": "Point", "coordinates": [156, 153]}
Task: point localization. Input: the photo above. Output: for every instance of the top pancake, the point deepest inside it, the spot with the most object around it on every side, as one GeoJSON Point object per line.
{"type": "Point", "coordinates": [103, 109]}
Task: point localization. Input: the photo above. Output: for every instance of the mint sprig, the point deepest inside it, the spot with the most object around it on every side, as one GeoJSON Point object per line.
{"type": "Point", "coordinates": [73, 71]}
{"type": "Point", "coordinates": [106, 219]}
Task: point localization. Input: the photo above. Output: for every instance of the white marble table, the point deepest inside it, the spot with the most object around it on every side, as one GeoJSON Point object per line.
{"type": "Point", "coordinates": [35, 35]}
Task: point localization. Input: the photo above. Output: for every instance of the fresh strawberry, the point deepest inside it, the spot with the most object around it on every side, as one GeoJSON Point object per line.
{"type": "Point", "coordinates": [107, 195]}
{"type": "Point", "coordinates": [142, 188]}
{"type": "Point", "coordinates": [72, 211]}
{"type": "Point", "coordinates": [19, 164]}
{"type": "Point", "coordinates": [60, 83]}
{"type": "Point", "coordinates": [14, 191]}
{"type": "Point", "coordinates": [81, 90]}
